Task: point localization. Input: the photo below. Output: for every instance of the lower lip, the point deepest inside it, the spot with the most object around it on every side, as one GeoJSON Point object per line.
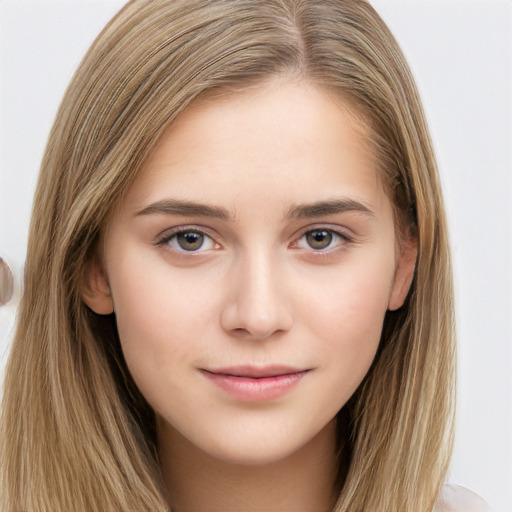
{"type": "Point", "coordinates": [255, 390]}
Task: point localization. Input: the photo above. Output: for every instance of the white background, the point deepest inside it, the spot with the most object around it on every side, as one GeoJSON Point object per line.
{"type": "Point", "coordinates": [460, 53]}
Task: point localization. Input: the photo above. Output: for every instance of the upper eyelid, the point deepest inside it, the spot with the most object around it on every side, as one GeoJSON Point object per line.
{"type": "Point", "coordinates": [339, 234]}
{"type": "Point", "coordinates": [339, 230]}
{"type": "Point", "coordinates": [166, 234]}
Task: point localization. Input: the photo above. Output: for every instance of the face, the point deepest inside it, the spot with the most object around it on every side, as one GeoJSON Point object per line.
{"type": "Point", "coordinates": [250, 267]}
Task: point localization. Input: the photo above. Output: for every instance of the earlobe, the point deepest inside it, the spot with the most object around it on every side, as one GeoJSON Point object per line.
{"type": "Point", "coordinates": [96, 290]}
{"type": "Point", "coordinates": [404, 272]}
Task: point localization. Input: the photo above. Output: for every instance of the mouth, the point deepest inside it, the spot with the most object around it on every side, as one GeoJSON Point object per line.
{"type": "Point", "coordinates": [255, 384]}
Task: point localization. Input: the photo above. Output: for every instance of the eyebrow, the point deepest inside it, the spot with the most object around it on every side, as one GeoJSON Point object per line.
{"type": "Point", "coordinates": [301, 211]}
{"type": "Point", "coordinates": [329, 207]}
{"type": "Point", "coordinates": [185, 208]}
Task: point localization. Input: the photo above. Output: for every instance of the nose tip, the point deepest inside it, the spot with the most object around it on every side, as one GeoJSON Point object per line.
{"type": "Point", "coordinates": [258, 329]}
{"type": "Point", "coordinates": [257, 307]}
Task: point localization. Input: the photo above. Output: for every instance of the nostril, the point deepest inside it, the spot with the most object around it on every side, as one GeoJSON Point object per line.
{"type": "Point", "coordinates": [240, 333]}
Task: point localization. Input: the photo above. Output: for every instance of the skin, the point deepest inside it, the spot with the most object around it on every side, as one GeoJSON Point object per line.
{"type": "Point", "coordinates": [264, 289]}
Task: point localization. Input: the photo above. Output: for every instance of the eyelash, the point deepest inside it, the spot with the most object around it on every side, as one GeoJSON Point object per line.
{"type": "Point", "coordinates": [337, 238]}
{"type": "Point", "coordinates": [167, 237]}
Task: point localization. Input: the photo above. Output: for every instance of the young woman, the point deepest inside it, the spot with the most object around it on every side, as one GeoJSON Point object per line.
{"type": "Point", "coordinates": [238, 288]}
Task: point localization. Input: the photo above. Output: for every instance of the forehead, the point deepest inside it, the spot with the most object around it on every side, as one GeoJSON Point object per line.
{"type": "Point", "coordinates": [282, 135]}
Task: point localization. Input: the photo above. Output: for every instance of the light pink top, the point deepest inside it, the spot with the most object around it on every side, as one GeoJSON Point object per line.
{"type": "Point", "coordinates": [454, 498]}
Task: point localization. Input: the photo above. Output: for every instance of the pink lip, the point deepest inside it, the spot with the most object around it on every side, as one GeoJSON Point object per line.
{"type": "Point", "coordinates": [255, 384]}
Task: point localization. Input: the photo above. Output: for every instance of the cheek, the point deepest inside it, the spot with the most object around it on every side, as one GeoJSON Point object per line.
{"type": "Point", "coordinates": [161, 320]}
{"type": "Point", "coordinates": [346, 322]}
{"type": "Point", "coordinates": [353, 300]}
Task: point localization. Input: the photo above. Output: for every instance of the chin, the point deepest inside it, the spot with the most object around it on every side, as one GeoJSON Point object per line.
{"type": "Point", "coordinates": [254, 452]}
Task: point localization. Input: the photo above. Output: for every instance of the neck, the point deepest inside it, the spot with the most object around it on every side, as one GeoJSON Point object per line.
{"type": "Point", "coordinates": [303, 482]}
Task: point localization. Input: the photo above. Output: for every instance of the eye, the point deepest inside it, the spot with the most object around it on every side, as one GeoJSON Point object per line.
{"type": "Point", "coordinates": [188, 240]}
{"type": "Point", "coordinates": [321, 240]}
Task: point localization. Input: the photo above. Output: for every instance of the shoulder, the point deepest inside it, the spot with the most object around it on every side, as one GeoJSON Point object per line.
{"type": "Point", "coordinates": [454, 498]}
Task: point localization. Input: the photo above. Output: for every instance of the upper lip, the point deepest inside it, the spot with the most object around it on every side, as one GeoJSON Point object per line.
{"type": "Point", "coordinates": [256, 372]}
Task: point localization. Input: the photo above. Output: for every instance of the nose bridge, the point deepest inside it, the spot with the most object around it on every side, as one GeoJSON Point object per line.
{"type": "Point", "coordinates": [258, 306]}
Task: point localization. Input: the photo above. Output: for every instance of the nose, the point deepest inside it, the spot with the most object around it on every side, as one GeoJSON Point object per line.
{"type": "Point", "coordinates": [256, 306]}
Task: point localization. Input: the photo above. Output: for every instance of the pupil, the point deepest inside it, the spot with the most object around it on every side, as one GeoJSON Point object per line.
{"type": "Point", "coordinates": [190, 241]}
{"type": "Point", "coordinates": [319, 239]}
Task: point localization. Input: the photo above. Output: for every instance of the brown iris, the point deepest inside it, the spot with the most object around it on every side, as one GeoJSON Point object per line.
{"type": "Point", "coordinates": [319, 239]}
{"type": "Point", "coordinates": [190, 241]}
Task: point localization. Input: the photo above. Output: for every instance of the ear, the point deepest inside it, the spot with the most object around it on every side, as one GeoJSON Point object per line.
{"type": "Point", "coordinates": [96, 290]}
{"type": "Point", "coordinates": [404, 272]}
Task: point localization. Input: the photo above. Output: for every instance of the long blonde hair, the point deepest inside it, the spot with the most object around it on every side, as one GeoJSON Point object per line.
{"type": "Point", "coordinates": [76, 434]}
